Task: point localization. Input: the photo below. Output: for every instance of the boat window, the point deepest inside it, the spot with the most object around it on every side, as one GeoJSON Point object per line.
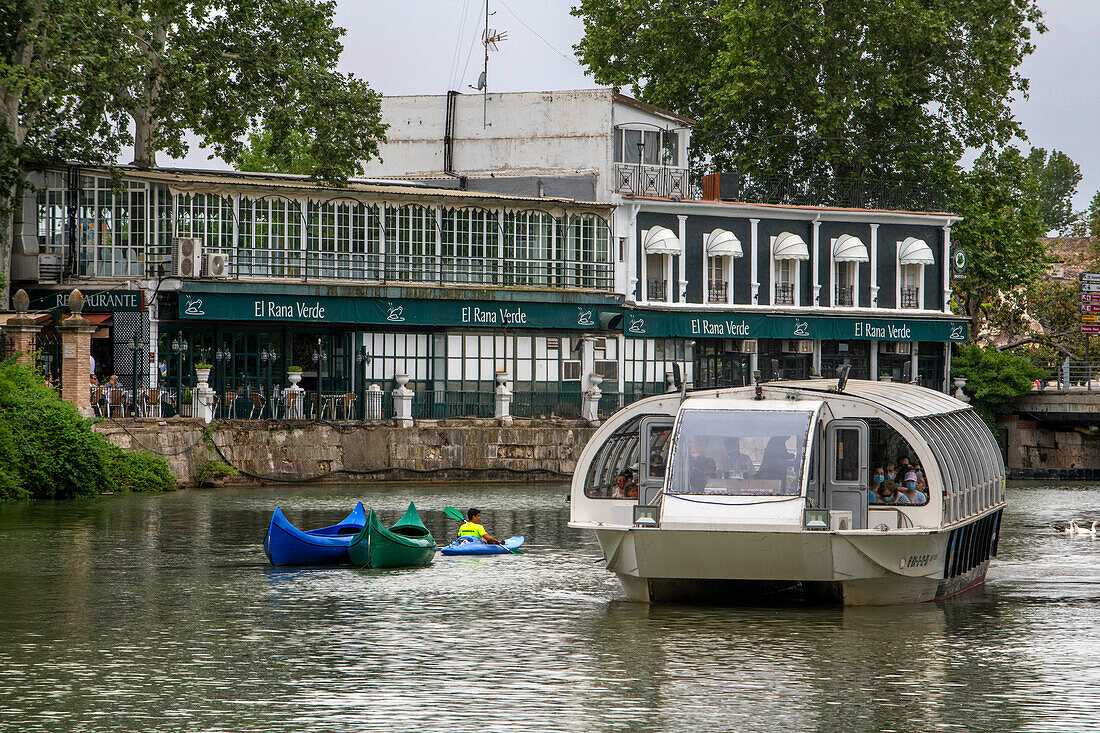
{"type": "Point", "coordinates": [846, 460]}
{"type": "Point", "coordinates": [888, 447]}
{"type": "Point", "coordinates": [619, 453]}
{"type": "Point", "coordinates": [740, 452]}
{"type": "Point", "coordinates": [658, 452]}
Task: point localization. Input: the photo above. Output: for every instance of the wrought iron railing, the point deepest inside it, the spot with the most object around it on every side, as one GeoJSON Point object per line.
{"type": "Point", "coordinates": [910, 297]}
{"type": "Point", "coordinates": [662, 181]}
{"type": "Point", "coordinates": [784, 293]}
{"type": "Point", "coordinates": [718, 292]}
{"type": "Point", "coordinates": [400, 268]}
{"type": "Point", "coordinates": [844, 295]}
{"type": "Point", "coordinates": [657, 289]}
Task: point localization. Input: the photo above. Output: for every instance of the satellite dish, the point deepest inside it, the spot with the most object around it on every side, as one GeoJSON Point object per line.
{"type": "Point", "coordinates": [480, 81]}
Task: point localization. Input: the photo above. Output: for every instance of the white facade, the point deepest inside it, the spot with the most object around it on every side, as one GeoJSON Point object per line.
{"type": "Point", "coordinates": [528, 134]}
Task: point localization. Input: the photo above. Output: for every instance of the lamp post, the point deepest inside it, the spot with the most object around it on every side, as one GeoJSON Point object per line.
{"type": "Point", "coordinates": [222, 357]}
{"type": "Point", "coordinates": [319, 358]}
{"type": "Point", "coordinates": [362, 358]}
{"type": "Point", "coordinates": [179, 348]}
{"type": "Point", "coordinates": [268, 356]}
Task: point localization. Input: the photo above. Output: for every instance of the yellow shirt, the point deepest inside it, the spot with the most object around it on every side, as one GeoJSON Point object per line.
{"type": "Point", "coordinates": [471, 529]}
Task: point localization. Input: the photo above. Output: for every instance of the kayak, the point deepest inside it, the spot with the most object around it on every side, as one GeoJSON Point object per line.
{"type": "Point", "coordinates": [285, 544]}
{"type": "Point", "coordinates": [408, 543]}
{"type": "Point", "coordinates": [475, 546]}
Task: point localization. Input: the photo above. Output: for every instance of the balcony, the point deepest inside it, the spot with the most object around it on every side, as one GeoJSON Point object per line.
{"type": "Point", "coordinates": [844, 295]}
{"type": "Point", "coordinates": [784, 293]}
{"type": "Point", "coordinates": [634, 179]}
{"type": "Point", "coordinates": [657, 290]}
{"type": "Point", "coordinates": [910, 297]}
{"type": "Point", "coordinates": [718, 292]}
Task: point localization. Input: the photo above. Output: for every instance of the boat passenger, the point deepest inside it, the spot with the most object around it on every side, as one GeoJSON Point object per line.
{"type": "Point", "coordinates": [738, 465]}
{"type": "Point", "coordinates": [876, 481]}
{"type": "Point", "coordinates": [777, 459]}
{"type": "Point", "coordinates": [911, 488]}
{"type": "Point", "coordinates": [472, 528]}
{"type": "Point", "coordinates": [889, 494]}
{"type": "Point", "coordinates": [626, 486]}
{"type": "Point", "coordinates": [891, 472]}
{"type": "Point", "coordinates": [703, 469]}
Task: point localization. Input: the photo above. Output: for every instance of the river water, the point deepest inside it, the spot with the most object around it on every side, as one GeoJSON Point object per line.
{"type": "Point", "coordinates": [161, 613]}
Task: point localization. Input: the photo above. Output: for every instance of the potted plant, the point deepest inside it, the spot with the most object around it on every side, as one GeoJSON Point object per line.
{"type": "Point", "coordinates": [294, 375]}
{"type": "Point", "coordinates": [202, 368]}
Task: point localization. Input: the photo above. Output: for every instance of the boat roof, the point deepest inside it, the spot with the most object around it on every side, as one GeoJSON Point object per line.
{"type": "Point", "coordinates": [908, 400]}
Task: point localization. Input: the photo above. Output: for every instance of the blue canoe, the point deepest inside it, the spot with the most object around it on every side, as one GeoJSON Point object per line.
{"type": "Point", "coordinates": [474, 546]}
{"type": "Point", "coordinates": [285, 544]}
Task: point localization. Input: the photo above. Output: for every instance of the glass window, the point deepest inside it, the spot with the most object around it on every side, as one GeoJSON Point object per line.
{"type": "Point", "coordinates": [670, 148]}
{"type": "Point", "coordinates": [847, 455]}
{"type": "Point", "coordinates": [632, 146]}
{"type": "Point", "coordinates": [652, 148]}
{"type": "Point", "coordinates": [740, 452]}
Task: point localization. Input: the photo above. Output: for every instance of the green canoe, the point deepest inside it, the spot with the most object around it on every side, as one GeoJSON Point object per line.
{"type": "Point", "coordinates": [408, 543]}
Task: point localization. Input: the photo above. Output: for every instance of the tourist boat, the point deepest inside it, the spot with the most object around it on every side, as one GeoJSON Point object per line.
{"type": "Point", "coordinates": [766, 490]}
{"type": "Point", "coordinates": [285, 544]}
{"type": "Point", "coordinates": [476, 546]}
{"type": "Point", "coordinates": [408, 543]}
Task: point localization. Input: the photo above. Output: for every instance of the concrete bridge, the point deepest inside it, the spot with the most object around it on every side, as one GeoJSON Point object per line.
{"type": "Point", "coordinates": [1054, 433]}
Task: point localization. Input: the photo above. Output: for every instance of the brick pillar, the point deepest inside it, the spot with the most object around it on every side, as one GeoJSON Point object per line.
{"type": "Point", "coordinates": [22, 329]}
{"type": "Point", "coordinates": [76, 349]}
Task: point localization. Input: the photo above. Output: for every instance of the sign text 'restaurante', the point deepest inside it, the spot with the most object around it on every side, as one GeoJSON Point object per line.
{"type": "Point", "coordinates": [299, 310]}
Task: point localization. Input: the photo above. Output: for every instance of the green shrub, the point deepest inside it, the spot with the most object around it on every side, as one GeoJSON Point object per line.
{"type": "Point", "coordinates": [48, 451]}
{"type": "Point", "coordinates": [994, 378]}
{"type": "Point", "coordinates": [209, 470]}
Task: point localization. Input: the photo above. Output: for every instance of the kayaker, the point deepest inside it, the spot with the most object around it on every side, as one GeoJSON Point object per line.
{"type": "Point", "coordinates": [472, 528]}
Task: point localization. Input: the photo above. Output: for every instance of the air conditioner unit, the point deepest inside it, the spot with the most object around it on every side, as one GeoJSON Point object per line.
{"type": "Point", "coordinates": [798, 346]}
{"type": "Point", "coordinates": [49, 267]}
{"type": "Point", "coordinates": [571, 371]}
{"type": "Point", "coordinates": [217, 264]}
{"type": "Point", "coordinates": [840, 520]}
{"type": "Point", "coordinates": [748, 346]}
{"type": "Point", "coordinates": [188, 256]}
{"type": "Point", "coordinates": [894, 347]}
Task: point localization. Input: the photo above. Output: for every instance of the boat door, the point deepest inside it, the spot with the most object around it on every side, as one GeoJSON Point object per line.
{"type": "Point", "coordinates": [654, 432]}
{"type": "Point", "coordinates": [847, 448]}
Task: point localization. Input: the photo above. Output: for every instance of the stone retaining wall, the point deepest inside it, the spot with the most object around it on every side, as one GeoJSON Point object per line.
{"type": "Point", "coordinates": [1041, 451]}
{"type": "Point", "coordinates": [293, 451]}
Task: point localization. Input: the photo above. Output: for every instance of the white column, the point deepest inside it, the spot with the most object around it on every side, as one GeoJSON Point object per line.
{"type": "Point", "coordinates": [643, 265]}
{"type": "Point", "coordinates": [683, 258]}
{"type": "Point", "coordinates": [874, 266]}
{"type": "Point", "coordinates": [874, 361]}
{"type": "Point", "coordinates": [706, 276]}
{"type": "Point", "coordinates": [947, 268]}
{"type": "Point", "coordinates": [632, 268]}
{"type": "Point", "coordinates": [438, 234]}
{"type": "Point", "coordinates": [816, 299]}
{"type": "Point", "coordinates": [947, 368]}
{"type": "Point", "coordinates": [815, 359]}
{"type": "Point", "coordinates": [668, 277]}
{"type": "Point", "coordinates": [754, 278]}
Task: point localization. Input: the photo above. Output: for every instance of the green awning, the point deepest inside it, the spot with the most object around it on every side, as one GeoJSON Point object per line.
{"type": "Point", "coordinates": [670, 324]}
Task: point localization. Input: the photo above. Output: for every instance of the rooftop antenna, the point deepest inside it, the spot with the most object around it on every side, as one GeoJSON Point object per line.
{"type": "Point", "coordinates": [489, 39]}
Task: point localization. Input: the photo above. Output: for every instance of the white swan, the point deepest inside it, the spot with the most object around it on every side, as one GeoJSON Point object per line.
{"type": "Point", "coordinates": [1079, 530]}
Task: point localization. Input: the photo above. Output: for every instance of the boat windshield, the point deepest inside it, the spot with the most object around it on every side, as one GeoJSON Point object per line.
{"type": "Point", "coordinates": [740, 452]}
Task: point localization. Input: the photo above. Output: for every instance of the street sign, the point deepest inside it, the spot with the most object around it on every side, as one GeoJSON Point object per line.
{"type": "Point", "coordinates": [1090, 328]}
{"type": "Point", "coordinates": [1090, 307]}
{"type": "Point", "coordinates": [1090, 287]}
{"type": "Point", "coordinates": [1090, 318]}
{"type": "Point", "coordinates": [1090, 297]}
{"type": "Point", "coordinates": [1089, 277]}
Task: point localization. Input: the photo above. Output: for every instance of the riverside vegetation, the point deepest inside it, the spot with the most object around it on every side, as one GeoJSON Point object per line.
{"type": "Point", "coordinates": [48, 451]}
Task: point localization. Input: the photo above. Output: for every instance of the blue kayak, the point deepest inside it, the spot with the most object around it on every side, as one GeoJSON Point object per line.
{"type": "Point", "coordinates": [285, 544]}
{"type": "Point", "coordinates": [474, 546]}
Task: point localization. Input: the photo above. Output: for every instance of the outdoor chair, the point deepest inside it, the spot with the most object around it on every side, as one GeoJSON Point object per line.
{"type": "Point", "coordinates": [258, 403]}
{"type": "Point", "coordinates": [149, 402]}
{"type": "Point", "coordinates": [292, 405]}
{"type": "Point", "coordinates": [229, 404]}
{"type": "Point", "coordinates": [97, 401]}
{"type": "Point", "coordinates": [116, 402]}
{"type": "Point", "coordinates": [347, 405]}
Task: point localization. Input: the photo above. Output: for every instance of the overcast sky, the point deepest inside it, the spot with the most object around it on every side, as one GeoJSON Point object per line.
{"type": "Point", "coordinates": [430, 46]}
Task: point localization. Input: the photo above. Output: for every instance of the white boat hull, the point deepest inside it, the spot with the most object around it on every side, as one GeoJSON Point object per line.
{"type": "Point", "coordinates": [854, 568]}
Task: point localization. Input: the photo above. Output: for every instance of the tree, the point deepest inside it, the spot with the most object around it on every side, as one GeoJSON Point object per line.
{"type": "Point", "coordinates": [1092, 216]}
{"type": "Point", "coordinates": [894, 88]}
{"type": "Point", "coordinates": [224, 68]}
{"type": "Point", "coordinates": [994, 378]}
{"type": "Point", "coordinates": [998, 200]}
{"type": "Point", "coordinates": [59, 61]}
{"type": "Point", "coordinates": [1056, 178]}
{"type": "Point", "coordinates": [263, 155]}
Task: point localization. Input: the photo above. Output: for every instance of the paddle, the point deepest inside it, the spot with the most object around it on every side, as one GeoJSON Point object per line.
{"type": "Point", "coordinates": [458, 517]}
